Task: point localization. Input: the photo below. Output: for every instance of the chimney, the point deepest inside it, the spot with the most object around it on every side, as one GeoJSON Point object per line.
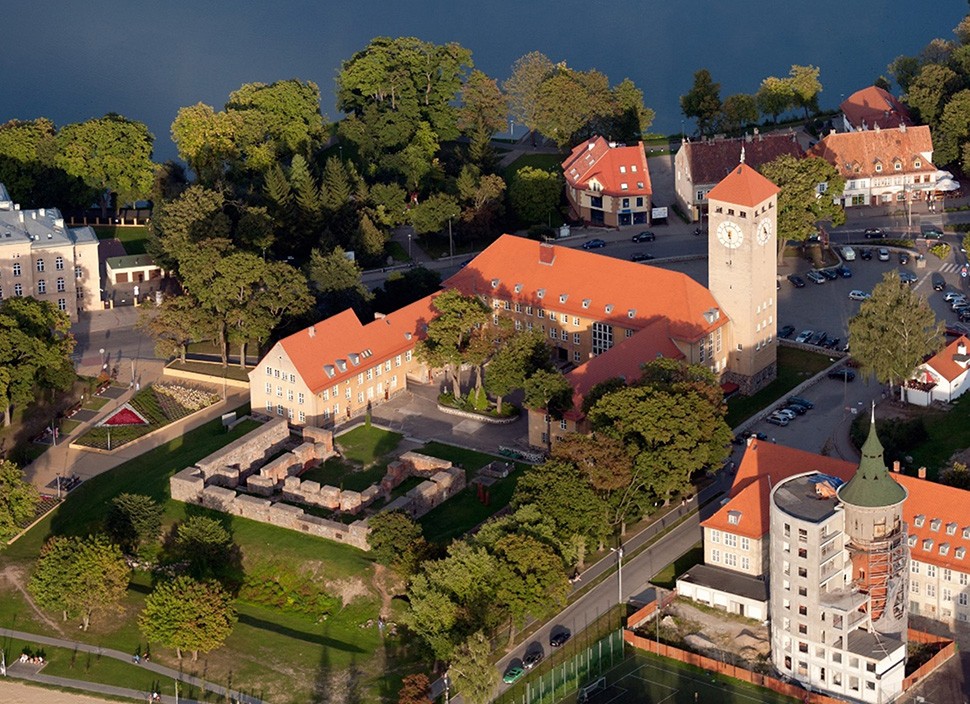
{"type": "Point", "coordinates": [961, 348]}
{"type": "Point", "coordinates": [547, 253]}
{"type": "Point", "coordinates": [921, 472]}
{"type": "Point", "coordinates": [896, 466]}
{"type": "Point", "coordinates": [749, 441]}
{"type": "Point", "coordinates": [311, 331]}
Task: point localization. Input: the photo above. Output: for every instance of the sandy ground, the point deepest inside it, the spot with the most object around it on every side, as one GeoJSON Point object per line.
{"type": "Point", "coordinates": [17, 693]}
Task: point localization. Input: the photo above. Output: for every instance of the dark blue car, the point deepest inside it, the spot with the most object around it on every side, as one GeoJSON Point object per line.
{"type": "Point", "coordinates": [594, 244]}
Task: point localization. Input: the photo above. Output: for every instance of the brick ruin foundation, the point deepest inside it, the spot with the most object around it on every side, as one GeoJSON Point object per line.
{"type": "Point", "coordinates": [242, 480]}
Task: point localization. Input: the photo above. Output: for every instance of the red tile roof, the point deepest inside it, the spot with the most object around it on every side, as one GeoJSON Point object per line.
{"type": "Point", "coordinates": [765, 464]}
{"type": "Point", "coordinates": [324, 353]}
{"type": "Point", "coordinates": [590, 285]}
{"type": "Point", "coordinates": [743, 186]}
{"type": "Point", "coordinates": [611, 167]}
{"type": "Point", "coordinates": [855, 154]}
{"type": "Point", "coordinates": [949, 362]}
{"type": "Point", "coordinates": [712, 160]}
{"type": "Point", "coordinates": [873, 106]}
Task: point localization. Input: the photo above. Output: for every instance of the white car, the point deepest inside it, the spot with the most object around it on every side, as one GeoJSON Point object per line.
{"type": "Point", "coordinates": [950, 295]}
{"type": "Point", "coordinates": [848, 254]}
{"type": "Point", "coordinates": [784, 412]}
{"type": "Point", "coordinates": [804, 336]}
{"type": "Point", "coordinates": [857, 295]}
{"type": "Point", "coordinates": [883, 254]}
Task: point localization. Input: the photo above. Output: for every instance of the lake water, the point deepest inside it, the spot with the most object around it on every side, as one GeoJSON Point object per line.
{"type": "Point", "coordinates": [74, 60]}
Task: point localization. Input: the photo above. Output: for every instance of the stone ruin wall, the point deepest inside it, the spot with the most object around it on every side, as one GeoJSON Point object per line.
{"type": "Point", "coordinates": [238, 480]}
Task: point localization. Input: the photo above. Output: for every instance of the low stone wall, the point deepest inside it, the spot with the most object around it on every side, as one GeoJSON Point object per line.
{"type": "Point", "coordinates": [206, 378]}
{"type": "Point", "coordinates": [250, 451]}
{"type": "Point", "coordinates": [476, 416]}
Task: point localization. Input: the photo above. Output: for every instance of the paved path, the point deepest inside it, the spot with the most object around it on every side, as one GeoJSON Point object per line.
{"type": "Point", "coordinates": [161, 670]}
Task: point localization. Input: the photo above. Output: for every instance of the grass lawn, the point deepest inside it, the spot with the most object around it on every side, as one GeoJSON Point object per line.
{"type": "Point", "coordinates": [794, 367]}
{"type": "Point", "coordinates": [396, 251]}
{"type": "Point", "coordinates": [95, 403]}
{"type": "Point", "coordinates": [667, 577]}
{"type": "Point", "coordinates": [547, 162]}
{"type": "Point", "coordinates": [133, 238]}
{"type": "Point", "coordinates": [366, 444]}
{"type": "Point", "coordinates": [949, 431]}
{"type": "Point", "coordinates": [336, 472]}
{"type": "Point", "coordinates": [215, 370]}
{"type": "Point", "coordinates": [69, 426]}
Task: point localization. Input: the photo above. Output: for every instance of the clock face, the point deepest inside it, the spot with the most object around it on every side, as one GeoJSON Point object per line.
{"type": "Point", "coordinates": [730, 235]}
{"type": "Point", "coordinates": [764, 231]}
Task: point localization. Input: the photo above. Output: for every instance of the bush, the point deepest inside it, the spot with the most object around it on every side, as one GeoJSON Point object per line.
{"type": "Point", "coordinates": [941, 250]}
{"type": "Point", "coordinates": [276, 587]}
{"type": "Point", "coordinates": [898, 436]}
{"type": "Point", "coordinates": [482, 405]}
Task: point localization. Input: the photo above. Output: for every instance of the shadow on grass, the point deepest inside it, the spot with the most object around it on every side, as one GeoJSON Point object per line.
{"type": "Point", "coordinates": [318, 639]}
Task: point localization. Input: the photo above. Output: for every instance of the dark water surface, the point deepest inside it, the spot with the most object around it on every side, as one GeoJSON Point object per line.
{"type": "Point", "coordinates": [71, 60]}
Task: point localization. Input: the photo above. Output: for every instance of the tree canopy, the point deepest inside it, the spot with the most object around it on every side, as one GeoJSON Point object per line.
{"type": "Point", "coordinates": [703, 102]}
{"type": "Point", "coordinates": [186, 614]}
{"type": "Point", "coordinates": [18, 500]}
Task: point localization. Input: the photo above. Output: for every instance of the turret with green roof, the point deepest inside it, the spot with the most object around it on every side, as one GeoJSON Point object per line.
{"type": "Point", "coordinates": [872, 485]}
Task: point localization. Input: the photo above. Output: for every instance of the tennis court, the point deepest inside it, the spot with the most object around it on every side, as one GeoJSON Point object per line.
{"type": "Point", "coordinates": [648, 679]}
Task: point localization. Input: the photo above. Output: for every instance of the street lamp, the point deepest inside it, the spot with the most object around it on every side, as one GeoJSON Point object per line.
{"type": "Point", "coordinates": [409, 245]}
{"type": "Point", "coordinates": [619, 572]}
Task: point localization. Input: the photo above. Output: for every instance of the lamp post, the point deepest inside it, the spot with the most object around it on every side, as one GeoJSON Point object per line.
{"type": "Point", "coordinates": [619, 572]}
{"type": "Point", "coordinates": [409, 245]}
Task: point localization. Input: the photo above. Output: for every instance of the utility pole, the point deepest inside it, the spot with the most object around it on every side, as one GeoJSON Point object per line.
{"type": "Point", "coordinates": [451, 242]}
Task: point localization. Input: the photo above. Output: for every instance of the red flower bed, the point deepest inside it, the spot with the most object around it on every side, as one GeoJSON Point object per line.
{"type": "Point", "coordinates": [124, 416]}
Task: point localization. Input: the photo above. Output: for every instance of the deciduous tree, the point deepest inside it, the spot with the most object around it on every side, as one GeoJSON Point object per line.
{"type": "Point", "coordinates": [433, 213]}
{"type": "Point", "coordinates": [702, 102]}
{"type": "Point", "coordinates": [207, 547]}
{"type": "Point", "coordinates": [739, 111]}
{"type": "Point", "coordinates": [336, 282]}
{"type": "Point", "coordinates": [535, 194]}
{"type": "Point", "coordinates": [187, 614]}
{"type": "Point", "coordinates": [522, 88]}
{"type": "Point", "coordinates": [473, 671]}
{"type": "Point", "coordinates": [396, 541]}
{"type": "Point", "coordinates": [775, 96]}
{"type": "Point", "coordinates": [18, 500]}
{"type": "Point", "coordinates": [518, 359]}
{"type": "Point", "coordinates": [134, 521]}
{"type": "Point", "coordinates": [928, 92]}
{"type": "Point", "coordinates": [449, 334]}
{"type": "Point", "coordinates": [805, 87]}
{"type": "Point", "coordinates": [894, 331]}
{"type": "Point", "coordinates": [414, 690]}
{"type": "Point", "coordinates": [548, 391]}
{"type": "Point", "coordinates": [531, 579]}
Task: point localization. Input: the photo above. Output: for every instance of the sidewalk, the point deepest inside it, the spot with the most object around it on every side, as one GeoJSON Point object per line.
{"type": "Point", "coordinates": [166, 672]}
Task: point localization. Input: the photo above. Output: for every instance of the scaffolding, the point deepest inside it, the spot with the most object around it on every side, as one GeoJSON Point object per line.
{"type": "Point", "coordinates": [879, 570]}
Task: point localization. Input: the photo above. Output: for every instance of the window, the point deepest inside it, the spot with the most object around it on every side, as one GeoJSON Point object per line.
{"type": "Point", "coordinates": [78, 272]}
{"type": "Point", "coordinates": [914, 567]}
{"type": "Point", "coordinates": [279, 410]}
{"type": "Point", "coordinates": [269, 388]}
{"type": "Point", "coordinates": [576, 338]}
{"type": "Point", "coordinates": [18, 290]}
{"type": "Point", "coordinates": [397, 361]}
{"type": "Point", "coordinates": [40, 265]}
{"type": "Point", "coordinates": [715, 555]}
{"type": "Point", "coordinates": [731, 540]}
{"type": "Point", "coordinates": [562, 424]}
{"type": "Point", "coordinates": [730, 559]}
{"type": "Point", "coordinates": [715, 536]}
{"type": "Point", "coordinates": [300, 398]}
{"type": "Point", "coordinates": [931, 570]}
{"type": "Point", "coordinates": [407, 356]}
{"type": "Point", "coordinates": [946, 595]}
{"type": "Point", "coordinates": [947, 574]}
{"type": "Point", "coordinates": [61, 304]}
{"type": "Point", "coordinates": [745, 544]}
{"type": "Point", "coordinates": [289, 394]}
{"type": "Point", "coordinates": [576, 356]}
{"type": "Point", "coordinates": [370, 374]}
{"type": "Point", "coordinates": [360, 397]}
{"type": "Point", "coordinates": [276, 373]}
{"type": "Point", "coordinates": [878, 168]}
{"type": "Point", "coordinates": [303, 416]}
{"type": "Point", "coordinates": [963, 579]}
{"type": "Point", "coordinates": [16, 269]}
{"type": "Point", "coordinates": [746, 563]}
{"type": "Point", "coordinates": [292, 378]}
{"type": "Point", "coordinates": [602, 337]}
{"type": "Point", "coordinates": [325, 395]}
{"type": "Point", "coordinates": [41, 286]}
{"type": "Point", "coordinates": [279, 391]}
{"type": "Point", "coordinates": [60, 284]}
{"type": "Point", "coordinates": [576, 320]}
{"type": "Point", "coordinates": [931, 590]}
{"type": "Point", "coordinates": [962, 599]}
{"type": "Point", "coordinates": [269, 406]}
{"type": "Point", "coordinates": [914, 587]}
{"type": "Point", "coordinates": [289, 413]}
{"type": "Point", "coordinates": [563, 335]}
{"type": "Point", "coordinates": [552, 333]}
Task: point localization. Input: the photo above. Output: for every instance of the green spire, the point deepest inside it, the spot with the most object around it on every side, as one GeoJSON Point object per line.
{"type": "Point", "coordinates": [872, 485]}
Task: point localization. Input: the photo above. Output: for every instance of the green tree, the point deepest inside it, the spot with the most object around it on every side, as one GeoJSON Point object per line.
{"type": "Point", "coordinates": [80, 577]}
{"type": "Point", "coordinates": [414, 690]}
{"type": "Point", "coordinates": [775, 96]}
{"type": "Point", "coordinates": [702, 102]}
{"type": "Point", "coordinates": [18, 500]}
{"type": "Point", "coordinates": [207, 141]}
{"type": "Point", "coordinates": [894, 331]}
{"type": "Point", "coordinates": [483, 198]}
{"type": "Point", "coordinates": [396, 541]}
{"type": "Point", "coordinates": [482, 114]}
{"type": "Point", "coordinates": [336, 282]}
{"type": "Point", "coordinates": [207, 547]}
{"type": "Point", "coordinates": [189, 233]}
{"type": "Point", "coordinates": [433, 213]}
{"type": "Point", "coordinates": [27, 169]}
{"type": "Point", "coordinates": [535, 194]}
{"type": "Point", "coordinates": [548, 391]}
{"type": "Point", "coordinates": [531, 579]}
{"type": "Point", "coordinates": [801, 206]}
{"type": "Point", "coordinates": [739, 111]}
{"type": "Point", "coordinates": [134, 521]}
{"type": "Point", "coordinates": [337, 188]}
{"type": "Point", "coordinates": [388, 202]}
{"type": "Point", "coordinates": [187, 614]}
{"type": "Point", "coordinates": [433, 615]}
{"type": "Point", "coordinates": [566, 104]}
{"type": "Point", "coordinates": [370, 241]}
{"type": "Point", "coordinates": [953, 130]}
{"type": "Point", "coordinates": [35, 351]}
{"type": "Point", "coordinates": [904, 70]}
{"type": "Point", "coordinates": [112, 155]}
{"type": "Point", "coordinates": [522, 88]}
{"type": "Point", "coordinates": [632, 118]}
{"type": "Point", "coordinates": [255, 229]}
{"type": "Point", "coordinates": [473, 671]}
{"type": "Point", "coordinates": [805, 87]}
{"type": "Point", "coordinates": [174, 324]}
{"type": "Point", "coordinates": [928, 92]}
{"type": "Point", "coordinates": [957, 475]}
{"type": "Point", "coordinates": [449, 334]}
{"type": "Point", "coordinates": [518, 359]}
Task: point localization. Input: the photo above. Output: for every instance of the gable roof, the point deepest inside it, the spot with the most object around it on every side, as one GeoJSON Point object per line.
{"type": "Point", "coordinates": [339, 347]}
{"type": "Point", "coordinates": [712, 160]}
{"type": "Point", "coordinates": [589, 285]}
{"type": "Point", "coordinates": [855, 154]}
{"type": "Point", "coordinates": [619, 170]}
{"type": "Point", "coordinates": [874, 107]}
{"type": "Point", "coordinates": [949, 362]}
{"type": "Point", "coordinates": [743, 186]}
{"type": "Point", "coordinates": [942, 509]}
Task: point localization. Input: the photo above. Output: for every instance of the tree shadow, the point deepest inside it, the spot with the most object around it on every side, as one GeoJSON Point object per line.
{"type": "Point", "coordinates": [316, 638]}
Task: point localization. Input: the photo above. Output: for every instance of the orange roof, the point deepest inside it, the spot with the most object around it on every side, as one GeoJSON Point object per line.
{"type": "Point", "coordinates": [619, 170]}
{"type": "Point", "coordinates": [339, 347]}
{"type": "Point", "coordinates": [857, 154]}
{"type": "Point", "coordinates": [764, 465]}
{"type": "Point", "coordinates": [949, 362]}
{"type": "Point", "coordinates": [743, 186]}
{"type": "Point", "coordinates": [872, 106]}
{"type": "Point", "coordinates": [584, 284]}
{"type": "Point", "coordinates": [711, 160]}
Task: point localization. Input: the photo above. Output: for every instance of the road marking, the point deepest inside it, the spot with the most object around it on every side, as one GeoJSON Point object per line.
{"type": "Point", "coordinates": [949, 268]}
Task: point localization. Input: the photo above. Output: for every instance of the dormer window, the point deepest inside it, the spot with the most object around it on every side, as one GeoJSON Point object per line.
{"type": "Point", "coordinates": [541, 293]}
{"type": "Point", "coordinates": [518, 288]}
{"type": "Point", "coordinates": [951, 528]}
{"type": "Point", "coordinates": [640, 184]}
{"type": "Point", "coordinates": [633, 168]}
{"type": "Point", "coordinates": [918, 164]}
{"type": "Point", "coordinates": [878, 168]}
{"type": "Point", "coordinates": [935, 525]}
{"type": "Point", "coordinates": [912, 541]}
{"type": "Point", "coordinates": [734, 517]}
{"type": "Point", "coordinates": [919, 521]}
{"type": "Point", "coordinates": [609, 308]}
{"type": "Point", "coordinates": [928, 544]}
{"type": "Point", "coordinates": [586, 302]}
{"type": "Point", "coordinates": [944, 548]}
{"type": "Point", "coordinates": [624, 187]}
{"type": "Point", "coordinates": [563, 297]}
{"type": "Point", "coordinates": [622, 169]}
{"type": "Point", "coordinates": [966, 533]}
{"type": "Point", "coordinates": [960, 553]}
{"type": "Point", "coordinates": [632, 313]}
{"type": "Point", "coordinates": [898, 165]}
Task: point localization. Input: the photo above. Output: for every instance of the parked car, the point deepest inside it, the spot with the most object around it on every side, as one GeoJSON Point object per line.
{"type": "Point", "coordinates": [559, 638]}
{"type": "Point", "coordinates": [796, 409]}
{"type": "Point", "coordinates": [787, 331]}
{"type": "Point", "coordinates": [832, 343]}
{"type": "Point", "coordinates": [785, 413]}
{"type": "Point", "coordinates": [883, 254]}
{"type": "Point", "coordinates": [950, 295]}
{"type": "Point", "coordinates": [857, 295]}
{"type": "Point", "coordinates": [819, 338]}
{"type": "Point", "coordinates": [777, 420]}
{"type": "Point", "coordinates": [797, 400]}
{"type": "Point", "coordinates": [874, 233]}
{"type": "Point", "coordinates": [532, 659]}
{"type": "Point", "coordinates": [804, 336]}
{"type": "Point", "coordinates": [844, 271]}
{"type": "Point", "coordinates": [513, 674]}
{"type": "Point", "coordinates": [939, 283]}
{"type": "Point", "coordinates": [796, 281]}
{"type": "Point", "coordinates": [816, 277]}
{"type": "Point", "coordinates": [842, 374]}
{"type": "Point", "coordinates": [641, 257]}
{"type": "Point", "coordinates": [865, 253]}
{"type": "Point", "coordinates": [964, 316]}
{"type": "Point", "coordinates": [907, 277]}
{"type": "Point", "coordinates": [848, 254]}
{"type": "Point", "coordinates": [645, 236]}
{"type": "Point", "coordinates": [931, 232]}
{"type": "Point", "coordinates": [830, 274]}
{"type": "Point", "coordinates": [594, 244]}
{"type": "Point", "coordinates": [904, 258]}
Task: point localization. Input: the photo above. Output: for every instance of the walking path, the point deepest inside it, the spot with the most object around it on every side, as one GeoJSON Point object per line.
{"type": "Point", "coordinates": [166, 672]}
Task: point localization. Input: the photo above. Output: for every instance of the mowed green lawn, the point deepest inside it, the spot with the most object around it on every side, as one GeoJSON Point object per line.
{"type": "Point", "coordinates": [134, 238]}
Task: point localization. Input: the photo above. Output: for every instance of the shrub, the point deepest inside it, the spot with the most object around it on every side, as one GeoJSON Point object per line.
{"type": "Point", "coordinates": [941, 250]}
{"type": "Point", "coordinates": [277, 587]}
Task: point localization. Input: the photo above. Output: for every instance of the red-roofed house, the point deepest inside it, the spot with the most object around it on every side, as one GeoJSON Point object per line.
{"type": "Point", "coordinates": [607, 184]}
{"type": "Point", "coordinates": [943, 377]}
{"type": "Point", "coordinates": [699, 166]}
{"type": "Point", "coordinates": [873, 107]}
{"type": "Point", "coordinates": [881, 166]}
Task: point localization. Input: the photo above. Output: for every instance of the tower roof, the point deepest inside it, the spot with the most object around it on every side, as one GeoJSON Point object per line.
{"type": "Point", "coordinates": [872, 486]}
{"type": "Point", "coordinates": [743, 186]}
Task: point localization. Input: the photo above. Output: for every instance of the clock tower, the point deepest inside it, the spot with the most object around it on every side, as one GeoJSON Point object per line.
{"type": "Point", "coordinates": [742, 272]}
